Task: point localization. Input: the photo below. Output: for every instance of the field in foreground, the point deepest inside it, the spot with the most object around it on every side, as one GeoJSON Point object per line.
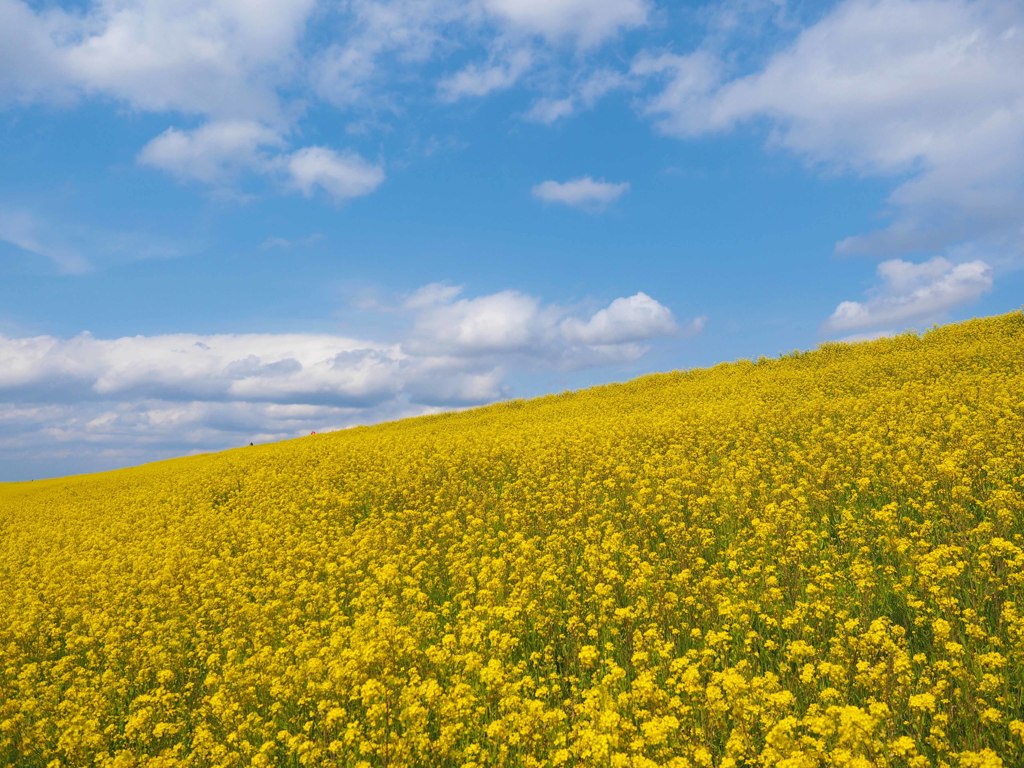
{"type": "Point", "coordinates": [799, 562]}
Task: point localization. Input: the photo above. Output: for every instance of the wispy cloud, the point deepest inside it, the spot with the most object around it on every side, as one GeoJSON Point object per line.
{"type": "Point", "coordinates": [476, 80]}
{"type": "Point", "coordinates": [287, 243]}
{"type": "Point", "coordinates": [583, 94]}
{"type": "Point", "coordinates": [24, 231]}
{"type": "Point", "coordinates": [223, 62]}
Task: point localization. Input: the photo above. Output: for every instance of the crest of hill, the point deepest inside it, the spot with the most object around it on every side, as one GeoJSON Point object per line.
{"type": "Point", "coordinates": [834, 369]}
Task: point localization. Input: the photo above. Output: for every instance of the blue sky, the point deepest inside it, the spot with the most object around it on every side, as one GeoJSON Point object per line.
{"type": "Point", "coordinates": [224, 222]}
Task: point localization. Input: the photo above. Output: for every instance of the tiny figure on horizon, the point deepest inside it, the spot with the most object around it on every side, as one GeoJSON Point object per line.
{"type": "Point", "coordinates": [313, 432]}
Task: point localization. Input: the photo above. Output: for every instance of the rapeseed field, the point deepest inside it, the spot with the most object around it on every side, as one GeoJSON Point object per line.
{"type": "Point", "coordinates": [810, 561]}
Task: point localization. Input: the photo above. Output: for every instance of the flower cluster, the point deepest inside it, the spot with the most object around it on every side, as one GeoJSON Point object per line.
{"type": "Point", "coordinates": [810, 561]}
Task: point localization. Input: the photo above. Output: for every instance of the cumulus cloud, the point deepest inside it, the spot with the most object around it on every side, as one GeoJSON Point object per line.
{"type": "Point", "coordinates": [248, 74]}
{"type": "Point", "coordinates": [508, 321]}
{"type": "Point", "coordinates": [218, 153]}
{"type": "Point", "coordinates": [220, 59]}
{"type": "Point", "coordinates": [510, 325]}
{"type": "Point", "coordinates": [214, 152]}
{"type": "Point", "coordinates": [912, 293]}
{"type": "Point", "coordinates": [285, 368]}
{"type": "Point", "coordinates": [343, 175]}
{"type": "Point", "coordinates": [927, 90]}
{"type": "Point", "coordinates": [227, 60]}
{"type": "Point", "coordinates": [625, 319]}
{"type": "Point", "coordinates": [142, 395]}
{"type": "Point", "coordinates": [223, 58]}
{"type": "Point", "coordinates": [584, 193]}
{"type": "Point", "coordinates": [30, 66]}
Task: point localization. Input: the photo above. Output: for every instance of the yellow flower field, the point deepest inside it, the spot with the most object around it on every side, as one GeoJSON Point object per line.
{"type": "Point", "coordinates": [811, 561]}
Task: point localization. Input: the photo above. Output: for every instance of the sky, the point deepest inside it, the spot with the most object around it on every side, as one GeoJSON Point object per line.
{"type": "Point", "coordinates": [225, 222]}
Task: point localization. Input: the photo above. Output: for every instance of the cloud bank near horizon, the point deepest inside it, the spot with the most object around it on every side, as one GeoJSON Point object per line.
{"type": "Point", "coordinates": [189, 392]}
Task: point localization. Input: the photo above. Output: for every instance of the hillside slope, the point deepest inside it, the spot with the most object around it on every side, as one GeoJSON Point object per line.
{"type": "Point", "coordinates": [817, 558]}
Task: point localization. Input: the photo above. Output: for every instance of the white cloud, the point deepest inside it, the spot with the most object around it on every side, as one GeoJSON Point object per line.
{"type": "Point", "coordinates": [227, 60]}
{"type": "Point", "coordinates": [911, 293]}
{"type": "Point", "coordinates": [249, 72]}
{"type": "Point", "coordinates": [501, 322]}
{"type": "Point", "coordinates": [480, 80]}
{"type": "Point", "coordinates": [343, 175]}
{"type": "Point", "coordinates": [681, 107]}
{"type": "Point", "coordinates": [218, 153]}
{"type": "Point", "coordinates": [30, 66]}
{"type": "Point", "coordinates": [588, 22]}
{"type": "Point", "coordinates": [385, 37]}
{"type": "Point", "coordinates": [512, 325]}
{"type": "Point", "coordinates": [584, 193]}
{"type": "Point", "coordinates": [629, 319]}
{"type": "Point", "coordinates": [141, 397]}
{"type": "Point", "coordinates": [287, 368]}
{"type": "Point", "coordinates": [214, 152]}
{"type": "Point", "coordinates": [222, 58]}
{"type": "Point", "coordinates": [925, 88]}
